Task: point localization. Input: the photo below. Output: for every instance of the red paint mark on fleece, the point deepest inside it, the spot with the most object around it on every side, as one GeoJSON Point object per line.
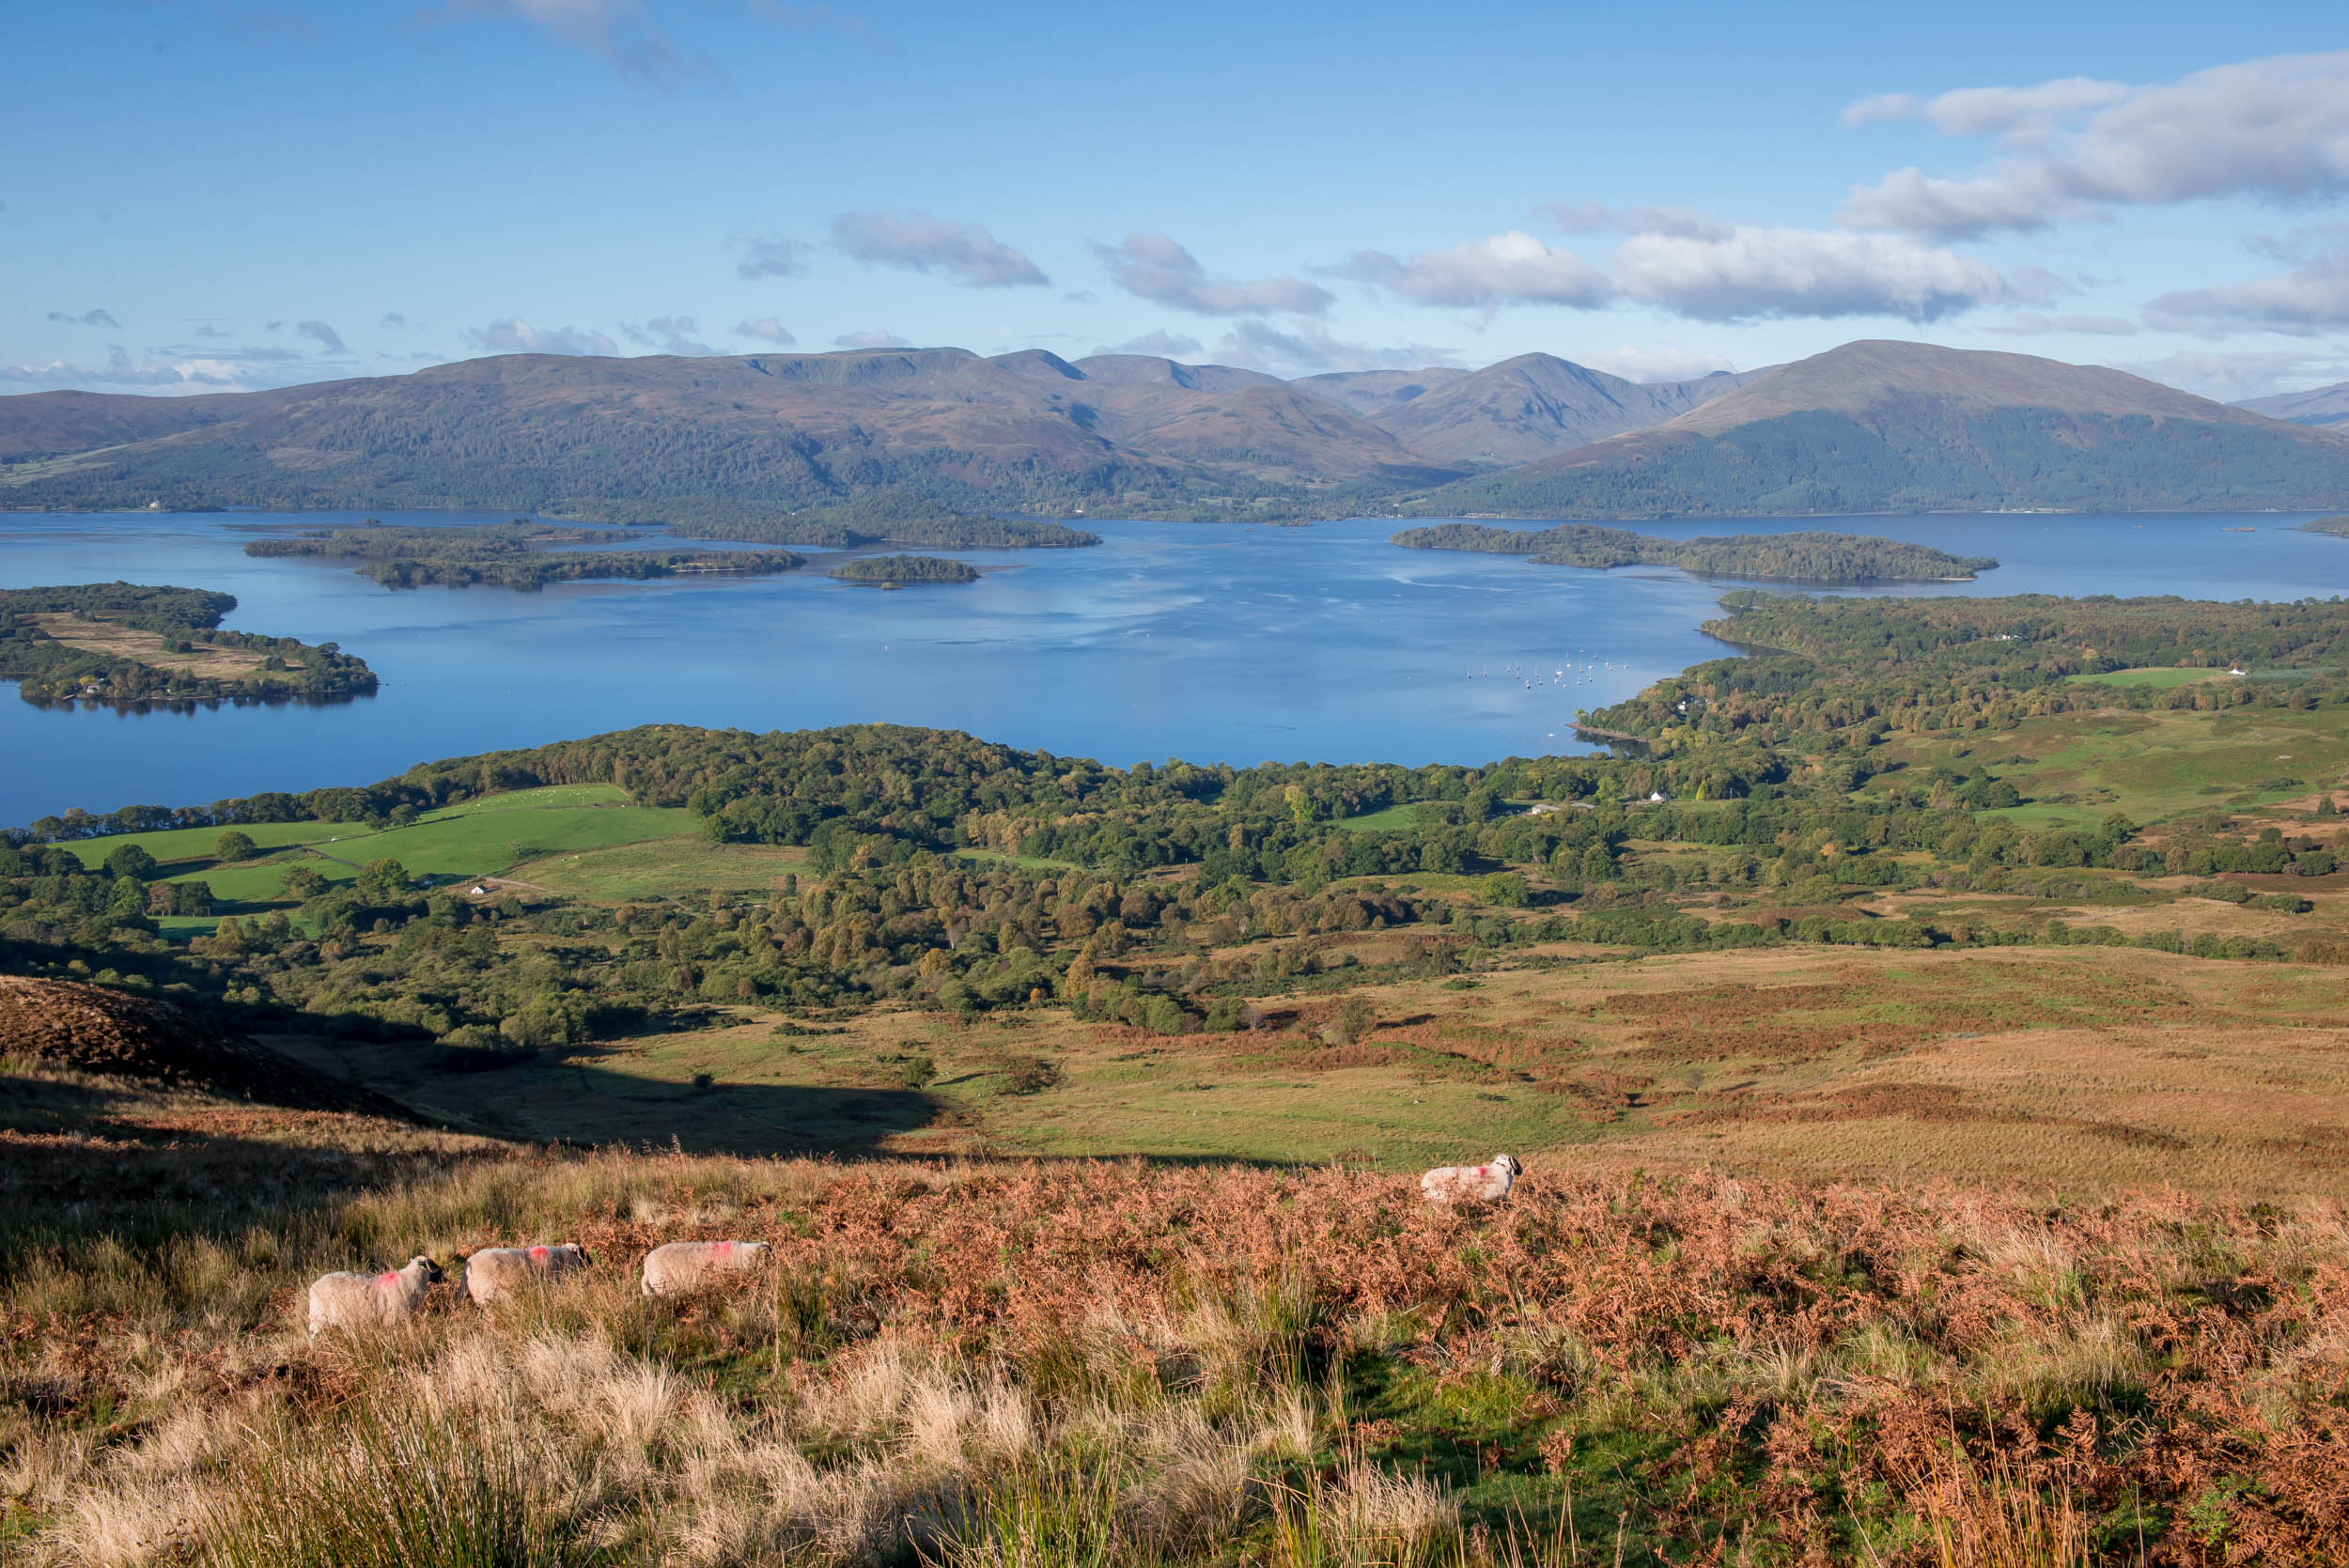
{"type": "Point", "coordinates": [539, 1253]}
{"type": "Point", "coordinates": [725, 1249]}
{"type": "Point", "coordinates": [387, 1279]}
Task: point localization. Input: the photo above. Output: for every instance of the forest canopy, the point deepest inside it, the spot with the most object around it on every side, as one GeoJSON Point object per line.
{"type": "Point", "coordinates": [1806, 557]}
{"type": "Point", "coordinates": [512, 554]}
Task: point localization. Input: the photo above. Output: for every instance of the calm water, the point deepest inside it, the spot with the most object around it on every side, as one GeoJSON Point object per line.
{"type": "Point", "coordinates": [1201, 642]}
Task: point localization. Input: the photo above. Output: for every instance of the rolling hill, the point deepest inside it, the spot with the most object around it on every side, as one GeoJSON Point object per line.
{"type": "Point", "coordinates": [1876, 427]}
{"type": "Point", "coordinates": [1538, 405]}
{"type": "Point", "coordinates": [677, 440]}
{"type": "Point", "coordinates": [735, 443]}
{"type": "Point", "coordinates": [2326, 406]}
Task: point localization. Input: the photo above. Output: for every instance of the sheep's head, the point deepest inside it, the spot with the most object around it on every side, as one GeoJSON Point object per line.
{"type": "Point", "coordinates": [1508, 1163]}
{"type": "Point", "coordinates": [587, 1259]}
{"type": "Point", "coordinates": [431, 1271]}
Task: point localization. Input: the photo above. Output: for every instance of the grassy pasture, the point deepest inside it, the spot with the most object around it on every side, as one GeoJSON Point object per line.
{"type": "Point", "coordinates": [2148, 765]}
{"type": "Point", "coordinates": [2160, 680]}
{"type": "Point", "coordinates": [658, 867]}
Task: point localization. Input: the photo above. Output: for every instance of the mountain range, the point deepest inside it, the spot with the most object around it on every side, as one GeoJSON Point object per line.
{"type": "Point", "coordinates": [2323, 406]}
{"type": "Point", "coordinates": [1868, 426]}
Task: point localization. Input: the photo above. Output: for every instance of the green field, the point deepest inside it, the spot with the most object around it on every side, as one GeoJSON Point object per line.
{"type": "Point", "coordinates": [2161, 680]}
{"type": "Point", "coordinates": [479, 838]}
{"type": "Point", "coordinates": [2077, 769]}
{"type": "Point", "coordinates": [1390, 820]}
{"type": "Point", "coordinates": [657, 867]}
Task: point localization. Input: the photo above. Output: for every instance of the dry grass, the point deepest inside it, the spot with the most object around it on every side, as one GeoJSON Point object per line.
{"type": "Point", "coordinates": [1028, 1363]}
{"type": "Point", "coordinates": [116, 641]}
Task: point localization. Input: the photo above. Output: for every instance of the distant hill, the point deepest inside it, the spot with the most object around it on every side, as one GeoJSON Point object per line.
{"type": "Point", "coordinates": [679, 439]}
{"type": "Point", "coordinates": [1536, 405]}
{"type": "Point", "coordinates": [763, 447]}
{"type": "Point", "coordinates": [1878, 426]}
{"type": "Point", "coordinates": [1374, 394]}
{"type": "Point", "coordinates": [2327, 406]}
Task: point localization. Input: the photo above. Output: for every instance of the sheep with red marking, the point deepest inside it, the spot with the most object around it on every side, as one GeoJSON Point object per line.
{"type": "Point", "coordinates": [365, 1301]}
{"type": "Point", "coordinates": [685, 1266]}
{"type": "Point", "coordinates": [1480, 1183]}
{"type": "Point", "coordinates": [499, 1272]}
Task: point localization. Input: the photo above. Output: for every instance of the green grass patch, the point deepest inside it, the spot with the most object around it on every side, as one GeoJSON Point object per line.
{"type": "Point", "coordinates": [196, 843]}
{"type": "Point", "coordinates": [654, 868]}
{"type": "Point", "coordinates": [2160, 679]}
{"type": "Point", "coordinates": [1392, 819]}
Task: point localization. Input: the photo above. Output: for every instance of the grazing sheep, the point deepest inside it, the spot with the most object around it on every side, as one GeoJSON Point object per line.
{"type": "Point", "coordinates": [682, 1265]}
{"type": "Point", "coordinates": [496, 1271]}
{"type": "Point", "coordinates": [370, 1300]}
{"type": "Point", "coordinates": [1486, 1183]}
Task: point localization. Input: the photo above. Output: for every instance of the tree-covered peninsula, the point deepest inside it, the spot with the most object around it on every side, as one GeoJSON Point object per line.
{"type": "Point", "coordinates": [130, 646]}
{"type": "Point", "coordinates": [513, 555]}
{"type": "Point", "coordinates": [897, 571]}
{"type": "Point", "coordinates": [903, 515]}
{"type": "Point", "coordinates": [1816, 556]}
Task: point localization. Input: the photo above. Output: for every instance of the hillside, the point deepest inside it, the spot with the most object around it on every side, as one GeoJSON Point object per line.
{"type": "Point", "coordinates": [1907, 426]}
{"type": "Point", "coordinates": [2326, 406]}
{"type": "Point", "coordinates": [1536, 405]}
{"type": "Point", "coordinates": [739, 445]}
{"type": "Point", "coordinates": [60, 1023]}
{"type": "Point", "coordinates": [683, 439]}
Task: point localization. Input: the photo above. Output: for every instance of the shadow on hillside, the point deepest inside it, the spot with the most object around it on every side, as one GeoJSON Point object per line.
{"type": "Point", "coordinates": [86, 1155]}
{"type": "Point", "coordinates": [583, 1098]}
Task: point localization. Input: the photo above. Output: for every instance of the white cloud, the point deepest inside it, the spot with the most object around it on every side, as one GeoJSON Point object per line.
{"type": "Point", "coordinates": [669, 334]}
{"type": "Point", "coordinates": [616, 31]}
{"type": "Point", "coordinates": [871, 340]}
{"type": "Point", "coordinates": [1164, 344]}
{"type": "Point", "coordinates": [326, 335]}
{"type": "Point", "coordinates": [2276, 129]}
{"type": "Point", "coordinates": [513, 335]}
{"type": "Point", "coordinates": [88, 319]}
{"type": "Point", "coordinates": [1260, 345]}
{"type": "Point", "coordinates": [1500, 270]}
{"type": "Point", "coordinates": [2234, 376]}
{"type": "Point", "coordinates": [1750, 273]}
{"type": "Point", "coordinates": [767, 330]}
{"type": "Point", "coordinates": [1589, 217]}
{"type": "Point", "coordinates": [1153, 267]}
{"type": "Point", "coordinates": [1652, 364]}
{"type": "Point", "coordinates": [193, 373]}
{"type": "Point", "coordinates": [2031, 325]}
{"type": "Point", "coordinates": [2017, 114]}
{"type": "Point", "coordinates": [965, 251]}
{"type": "Point", "coordinates": [2299, 304]}
{"type": "Point", "coordinates": [770, 258]}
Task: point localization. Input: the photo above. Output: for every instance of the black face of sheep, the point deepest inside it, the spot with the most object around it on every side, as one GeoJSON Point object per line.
{"type": "Point", "coordinates": [432, 1275]}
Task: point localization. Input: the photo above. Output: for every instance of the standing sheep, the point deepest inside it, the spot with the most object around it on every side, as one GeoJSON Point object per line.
{"type": "Point", "coordinates": [683, 1265]}
{"type": "Point", "coordinates": [370, 1300]}
{"type": "Point", "coordinates": [496, 1271]}
{"type": "Point", "coordinates": [1453, 1184]}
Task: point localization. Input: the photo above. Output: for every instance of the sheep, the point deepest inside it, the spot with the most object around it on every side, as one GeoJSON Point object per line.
{"type": "Point", "coordinates": [682, 1266]}
{"type": "Point", "coordinates": [1487, 1184]}
{"type": "Point", "coordinates": [364, 1300]}
{"type": "Point", "coordinates": [496, 1271]}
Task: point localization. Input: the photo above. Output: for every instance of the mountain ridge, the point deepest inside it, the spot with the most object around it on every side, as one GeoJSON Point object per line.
{"type": "Point", "coordinates": [1872, 426]}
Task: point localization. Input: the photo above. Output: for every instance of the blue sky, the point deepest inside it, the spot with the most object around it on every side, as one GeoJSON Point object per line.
{"type": "Point", "coordinates": [205, 195]}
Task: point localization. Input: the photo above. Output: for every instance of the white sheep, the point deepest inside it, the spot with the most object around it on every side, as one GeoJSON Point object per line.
{"type": "Point", "coordinates": [1487, 1184]}
{"type": "Point", "coordinates": [370, 1300]}
{"type": "Point", "coordinates": [682, 1266]}
{"type": "Point", "coordinates": [496, 1271]}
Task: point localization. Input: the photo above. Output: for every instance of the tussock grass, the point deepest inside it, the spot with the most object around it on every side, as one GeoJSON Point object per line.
{"type": "Point", "coordinates": [1004, 1365]}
